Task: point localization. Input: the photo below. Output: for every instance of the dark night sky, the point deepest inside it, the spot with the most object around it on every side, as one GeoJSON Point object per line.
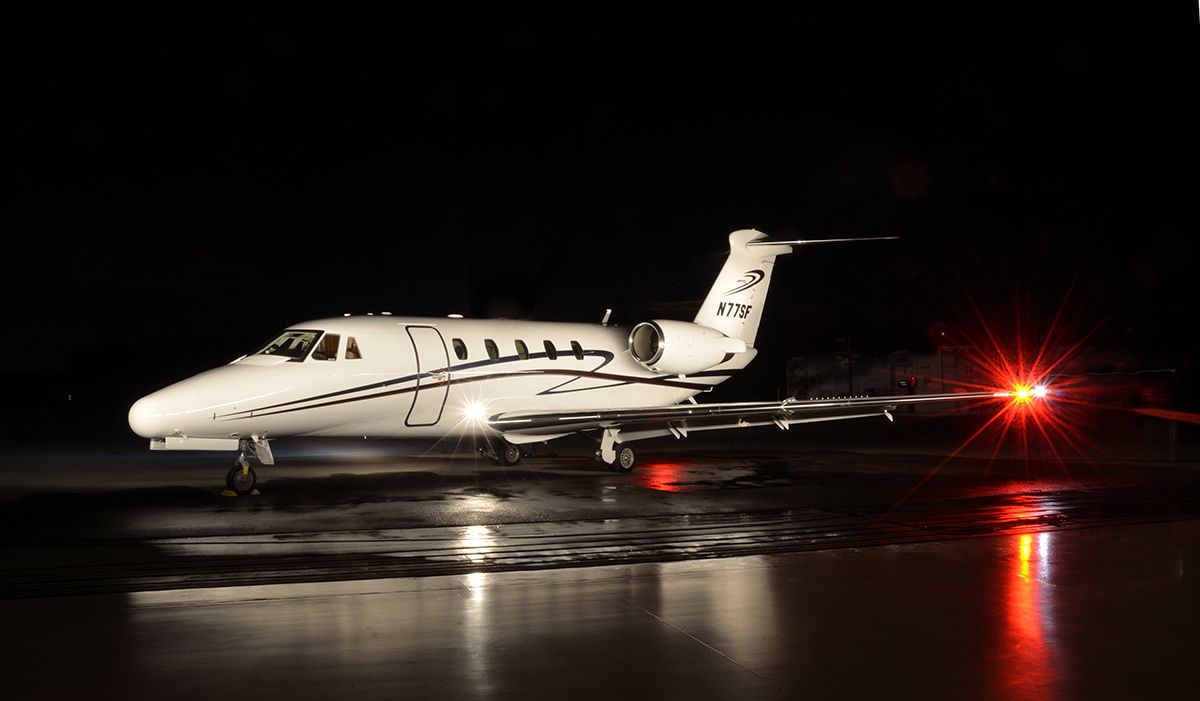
{"type": "Point", "coordinates": [182, 191]}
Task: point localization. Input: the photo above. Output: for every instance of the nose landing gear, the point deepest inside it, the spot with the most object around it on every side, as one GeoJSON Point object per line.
{"type": "Point", "coordinates": [241, 478]}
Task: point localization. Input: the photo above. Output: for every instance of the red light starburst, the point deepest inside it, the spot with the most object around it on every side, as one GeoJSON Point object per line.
{"type": "Point", "coordinates": [1032, 368]}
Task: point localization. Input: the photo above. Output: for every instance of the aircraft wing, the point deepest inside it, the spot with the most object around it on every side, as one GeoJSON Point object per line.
{"type": "Point", "coordinates": [679, 419]}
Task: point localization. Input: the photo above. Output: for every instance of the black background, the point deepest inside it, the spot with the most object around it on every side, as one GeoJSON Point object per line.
{"type": "Point", "coordinates": [183, 188]}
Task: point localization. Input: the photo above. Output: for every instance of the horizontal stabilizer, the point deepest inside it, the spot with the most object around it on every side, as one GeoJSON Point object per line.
{"type": "Point", "coordinates": [735, 302]}
{"type": "Point", "coordinates": [810, 242]}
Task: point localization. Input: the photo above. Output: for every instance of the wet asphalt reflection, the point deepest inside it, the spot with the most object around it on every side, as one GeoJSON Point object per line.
{"type": "Point", "coordinates": [144, 522]}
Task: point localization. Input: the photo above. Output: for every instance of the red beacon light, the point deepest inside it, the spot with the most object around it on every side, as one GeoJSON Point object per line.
{"type": "Point", "coordinates": [1023, 394]}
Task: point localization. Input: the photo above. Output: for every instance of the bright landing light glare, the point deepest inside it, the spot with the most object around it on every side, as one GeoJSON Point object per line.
{"type": "Point", "coordinates": [475, 411]}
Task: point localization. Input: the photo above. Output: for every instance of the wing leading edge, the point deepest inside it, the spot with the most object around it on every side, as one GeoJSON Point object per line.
{"type": "Point", "coordinates": [679, 419]}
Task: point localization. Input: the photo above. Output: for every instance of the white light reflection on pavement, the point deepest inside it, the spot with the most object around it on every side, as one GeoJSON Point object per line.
{"type": "Point", "coordinates": [477, 543]}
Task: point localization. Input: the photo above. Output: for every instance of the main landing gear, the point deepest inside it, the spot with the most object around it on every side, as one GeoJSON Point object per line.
{"type": "Point", "coordinates": [625, 461]}
{"type": "Point", "coordinates": [501, 452]}
{"type": "Point", "coordinates": [618, 457]}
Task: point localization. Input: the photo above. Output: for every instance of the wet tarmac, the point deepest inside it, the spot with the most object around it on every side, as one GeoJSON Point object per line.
{"type": "Point", "coordinates": [775, 567]}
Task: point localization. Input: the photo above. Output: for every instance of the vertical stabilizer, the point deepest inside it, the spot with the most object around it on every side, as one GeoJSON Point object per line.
{"type": "Point", "coordinates": [735, 303]}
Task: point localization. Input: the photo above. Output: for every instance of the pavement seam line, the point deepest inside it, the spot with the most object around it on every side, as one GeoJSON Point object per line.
{"type": "Point", "coordinates": [698, 641]}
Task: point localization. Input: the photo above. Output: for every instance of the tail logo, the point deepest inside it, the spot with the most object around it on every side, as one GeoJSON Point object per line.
{"type": "Point", "coordinates": [749, 279]}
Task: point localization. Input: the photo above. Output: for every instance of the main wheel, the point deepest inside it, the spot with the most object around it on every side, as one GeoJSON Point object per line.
{"type": "Point", "coordinates": [626, 459]}
{"type": "Point", "coordinates": [240, 481]}
{"type": "Point", "coordinates": [508, 454]}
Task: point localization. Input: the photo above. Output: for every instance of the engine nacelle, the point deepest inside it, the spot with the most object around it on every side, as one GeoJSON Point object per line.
{"type": "Point", "coordinates": [680, 347]}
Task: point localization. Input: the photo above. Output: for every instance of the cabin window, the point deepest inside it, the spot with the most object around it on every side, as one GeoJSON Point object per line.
{"type": "Point", "coordinates": [292, 344]}
{"type": "Point", "coordinates": [352, 352]}
{"type": "Point", "coordinates": [492, 351]}
{"type": "Point", "coordinates": [577, 350]}
{"type": "Point", "coordinates": [522, 349]}
{"type": "Point", "coordinates": [460, 348]}
{"type": "Point", "coordinates": [327, 348]}
{"type": "Point", "coordinates": [551, 351]}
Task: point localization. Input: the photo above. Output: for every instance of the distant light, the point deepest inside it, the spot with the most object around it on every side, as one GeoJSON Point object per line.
{"type": "Point", "coordinates": [346, 314]}
{"type": "Point", "coordinates": [1025, 394]}
{"type": "Point", "coordinates": [386, 313]}
{"type": "Point", "coordinates": [370, 313]}
{"type": "Point", "coordinates": [454, 316]}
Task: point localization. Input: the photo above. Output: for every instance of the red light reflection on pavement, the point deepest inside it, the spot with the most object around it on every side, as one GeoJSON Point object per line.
{"type": "Point", "coordinates": [662, 476]}
{"type": "Point", "coordinates": [1028, 663]}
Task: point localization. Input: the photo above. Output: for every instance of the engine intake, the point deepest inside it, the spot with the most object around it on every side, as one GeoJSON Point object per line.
{"type": "Point", "coordinates": [679, 347]}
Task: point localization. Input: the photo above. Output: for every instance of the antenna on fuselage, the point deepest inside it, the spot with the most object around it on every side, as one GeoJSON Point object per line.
{"type": "Point", "coordinates": [604, 321]}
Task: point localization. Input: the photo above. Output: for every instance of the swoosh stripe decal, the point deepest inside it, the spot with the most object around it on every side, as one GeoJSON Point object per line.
{"type": "Point", "coordinates": [607, 355]}
{"type": "Point", "coordinates": [619, 380]}
{"type": "Point", "coordinates": [755, 277]}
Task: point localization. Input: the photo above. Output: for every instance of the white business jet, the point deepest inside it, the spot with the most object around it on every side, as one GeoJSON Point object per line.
{"type": "Point", "coordinates": [503, 383]}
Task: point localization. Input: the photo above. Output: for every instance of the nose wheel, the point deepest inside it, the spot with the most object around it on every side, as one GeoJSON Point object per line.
{"type": "Point", "coordinates": [241, 478]}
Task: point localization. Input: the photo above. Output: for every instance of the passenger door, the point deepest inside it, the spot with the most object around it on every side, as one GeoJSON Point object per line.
{"type": "Point", "coordinates": [433, 380]}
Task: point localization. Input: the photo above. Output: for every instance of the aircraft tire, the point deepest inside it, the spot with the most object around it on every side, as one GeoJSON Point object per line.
{"type": "Point", "coordinates": [239, 483]}
{"type": "Point", "coordinates": [508, 454]}
{"type": "Point", "coordinates": [626, 460]}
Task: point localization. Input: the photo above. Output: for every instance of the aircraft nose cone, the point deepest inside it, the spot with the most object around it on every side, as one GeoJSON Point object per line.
{"type": "Point", "coordinates": [146, 419]}
{"type": "Point", "coordinates": [169, 411]}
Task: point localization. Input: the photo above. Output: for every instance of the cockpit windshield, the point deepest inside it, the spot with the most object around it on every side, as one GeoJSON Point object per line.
{"type": "Point", "coordinates": [293, 344]}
